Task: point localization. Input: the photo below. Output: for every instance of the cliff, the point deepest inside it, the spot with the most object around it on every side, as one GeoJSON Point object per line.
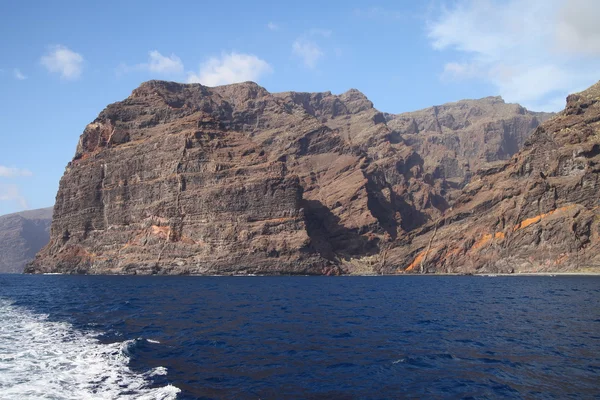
{"type": "Point", "coordinates": [22, 235]}
{"type": "Point", "coordinates": [457, 139]}
{"type": "Point", "coordinates": [233, 179]}
{"type": "Point", "coordinates": [538, 212]}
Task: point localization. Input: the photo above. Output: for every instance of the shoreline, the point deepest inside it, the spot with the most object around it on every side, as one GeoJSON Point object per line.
{"type": "Point", "coordinates": [488, 275]}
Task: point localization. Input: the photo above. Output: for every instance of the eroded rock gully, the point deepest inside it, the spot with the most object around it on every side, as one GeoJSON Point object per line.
{"type": "Point", "coordinates": [187, 179]}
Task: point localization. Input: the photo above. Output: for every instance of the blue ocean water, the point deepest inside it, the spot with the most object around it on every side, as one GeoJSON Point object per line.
{"type": "Point", "coordinates": [76, 337]}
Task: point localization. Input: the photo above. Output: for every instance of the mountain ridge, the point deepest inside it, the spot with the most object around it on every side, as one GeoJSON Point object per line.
{"type": "Point", "coordinates": [183, 178]}
{"type": "Point", "coordinates": [538, 212]}
{"type": "Point", "coordinates": [22, 235]}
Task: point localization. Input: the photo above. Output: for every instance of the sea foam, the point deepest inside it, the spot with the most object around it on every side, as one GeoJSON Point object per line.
{"type": "Point", "coordinates": [42, 359]}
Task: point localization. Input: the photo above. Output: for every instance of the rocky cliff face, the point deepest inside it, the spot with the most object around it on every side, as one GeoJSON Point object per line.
{"type": "Point", "coordinates": [537, 212]}
{"type": "Point", "coordinates": [457, 139]}
{"type": "Point", "coordinates": [233, 179]}
{"type": "Point", "coordinates": [22, 235]}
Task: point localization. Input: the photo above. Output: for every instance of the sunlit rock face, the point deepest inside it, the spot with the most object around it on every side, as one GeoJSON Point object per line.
{"type": "Point", "coordinates": [457, 139]}
{"type": "Point", "coordinates": [539, 212]}
{"type": "Point", "coordinates": [187, 179]}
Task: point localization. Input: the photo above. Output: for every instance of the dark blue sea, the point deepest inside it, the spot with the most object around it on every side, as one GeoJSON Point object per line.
{"type": "Point", "coordinates": [131, 337]}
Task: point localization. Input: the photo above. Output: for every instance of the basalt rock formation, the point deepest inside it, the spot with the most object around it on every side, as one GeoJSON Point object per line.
{"type": "Point", "coordinates": [187, 179]}
{"type": "Point", "coordinates": [233, 179]}
{"type": "Point", "coordinates": [457, 139]}
{"type": "Point", "coordinates": [538, 212]}
{"type": "Point", "coordinates": [22, 235]}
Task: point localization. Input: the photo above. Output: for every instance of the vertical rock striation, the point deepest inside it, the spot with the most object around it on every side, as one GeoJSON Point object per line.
{"type": "Point", "coordinates": [457, 139]}
{"type": "Point", "coordinates": [538, 212]}
{"type": "Point", "coordinates": [187, 179]}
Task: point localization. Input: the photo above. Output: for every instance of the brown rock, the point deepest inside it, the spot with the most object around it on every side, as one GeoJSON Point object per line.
{"type": "Point", "coordinates": [22, 235]}
{"type": "Point", "coordinates": [233, 179]}
{"type": "Point", "coordinates": [539, 212]}
{"type": "Point", "coordinates": [457, 139]}
{"type": "Point", "coordinates": [186, 179]}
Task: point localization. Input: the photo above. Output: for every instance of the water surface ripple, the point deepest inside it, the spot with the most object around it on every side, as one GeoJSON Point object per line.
{"type": "Point", "coordinates": [310, 337]}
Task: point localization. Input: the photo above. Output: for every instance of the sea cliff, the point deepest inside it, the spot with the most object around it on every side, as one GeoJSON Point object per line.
{"type": "Point", "coordinates": [187, 179]}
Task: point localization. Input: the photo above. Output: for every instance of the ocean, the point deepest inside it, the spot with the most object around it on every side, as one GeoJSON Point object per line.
{"type": "Point", "coordinates": [167, 337]}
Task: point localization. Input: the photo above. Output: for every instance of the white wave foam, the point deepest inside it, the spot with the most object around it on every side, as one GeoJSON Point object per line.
{"type": "Point", "coordinates": [41, 359]}
{"type": "Point", "coordinates": [156, 372]}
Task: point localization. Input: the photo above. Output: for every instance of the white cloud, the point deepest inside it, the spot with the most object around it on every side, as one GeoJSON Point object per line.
{"type": "Point", "coordinates": [459, 71]}
{"type": "Point", "coordinates": [18, 74]}
{"type": "Point", "coordinates": [230, 68]}
{"type": "Point", "coordinates": [11, 192]}
{"type": "Point", "coordinates": [578, 30]}
{"type": "Point", "coordinates": [378, 13]}
{"type": "Point", "coordinates": [530, 51]}
{"type": "Point", "coordinates": [326, 33]}
{"type": "Point", "coordinates": [164, 65]}
{"type": "Point", "coordinates": [60, 59]}
{"type": "Point", "coordinates": [11, 172]}
{"type": "Point", "coordinates": [308, 51]}
{"type": "Point", "coordinates": [273, 26]}
{"type": "Point", "coordinates": [157, 63]}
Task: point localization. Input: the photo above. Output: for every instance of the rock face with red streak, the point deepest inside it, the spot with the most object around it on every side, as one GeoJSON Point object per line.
{"type": "Point", "coordinates": [187, 179]}
{"type": "Point", "coordinates": [538, 212]}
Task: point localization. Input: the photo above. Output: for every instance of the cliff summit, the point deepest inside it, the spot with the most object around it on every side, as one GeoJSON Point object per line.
{"type": "Point", "coordinates": [187, 179]}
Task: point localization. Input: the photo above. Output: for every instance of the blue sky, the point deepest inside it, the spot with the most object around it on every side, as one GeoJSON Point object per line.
{"type": "Point", "coordinates": [62, 62]}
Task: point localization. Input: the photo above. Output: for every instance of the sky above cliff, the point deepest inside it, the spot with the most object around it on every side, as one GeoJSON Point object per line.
{"type": "Point", "coordinates": [62, 62]}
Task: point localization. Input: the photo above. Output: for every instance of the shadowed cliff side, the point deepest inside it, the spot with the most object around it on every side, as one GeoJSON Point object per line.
{"type": "Point", "coordinates": [187, 179]}
{"type": "Point", "coordinates": [457, 139]}
{"type": "Point", "coordinates": [22, 235]}
{"type": "Point", "coordinates": [539, 212]}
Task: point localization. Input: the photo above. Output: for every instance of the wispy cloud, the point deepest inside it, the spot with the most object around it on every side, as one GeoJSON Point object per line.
{"type": "Point", "coordinates": [62, 60]}
{"type": "Point", "coordinates": [157, 63]}
{"type": "Point", "coordinates": [577, 30]}
{"type": "Point", "coordinates": [378, 13]}
{"type": "Point", "coordinates": [534, 52]}
{"type": "Point", "coordinates": [326, 33]}
{"type": "Point", "coordinates": [230, 68]}
{"type": "Point", "coordinates": [11, 193]}
{"type": "Point", "coordinates": [164, 65]}
{"type": "Point", "coordinates": [461, 70]}
{"type": "Point", "coordinates": [273, 26]}
{"type": "Point", "coordinates": [18, 74]}
{"type": "Point", "coordinates": [12, 172]}
{"type": "Point", "coordinates": [308, 51]}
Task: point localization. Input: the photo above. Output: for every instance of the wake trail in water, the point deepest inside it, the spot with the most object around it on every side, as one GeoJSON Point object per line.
{"type": "Point", "coordinates": [43, 359]}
